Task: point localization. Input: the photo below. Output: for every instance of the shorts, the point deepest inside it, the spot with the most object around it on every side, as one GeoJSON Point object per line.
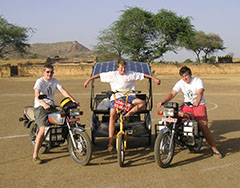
{"type": "Point", "coordinates": [130, 99]}
{"type": "Point", "coordinates": [199, 112]}
{"type": "Point", "coordinates": [41, 115]}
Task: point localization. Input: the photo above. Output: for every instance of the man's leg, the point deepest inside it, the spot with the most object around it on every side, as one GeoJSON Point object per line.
{"type": "Point", "coordinates": [111, 128]}
{"type": "Point", "coordinates": [200, 114]}
{"type": "Point", "coordinates": [138, 105]}
{"type": "Point", "coordinates": [38, 141]}
{"type": "Point", "coordinates": [208, 135]}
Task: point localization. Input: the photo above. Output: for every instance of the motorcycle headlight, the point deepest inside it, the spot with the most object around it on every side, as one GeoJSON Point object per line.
{"type": "Point", "coordinates": [74, 112]}
{"type": "Point", "coordinates": [168, 112]}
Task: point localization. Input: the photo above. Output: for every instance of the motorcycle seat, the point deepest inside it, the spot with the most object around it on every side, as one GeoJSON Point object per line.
{"type": "Point", "coordinates": [29, 112]}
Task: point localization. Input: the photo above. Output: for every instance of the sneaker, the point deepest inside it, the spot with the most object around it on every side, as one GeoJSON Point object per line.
{"type": "Point", "coordinates": [37, 160]}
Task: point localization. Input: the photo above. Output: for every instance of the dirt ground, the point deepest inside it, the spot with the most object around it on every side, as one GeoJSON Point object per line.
{"type": "Point", "coordinates": [59, 170]}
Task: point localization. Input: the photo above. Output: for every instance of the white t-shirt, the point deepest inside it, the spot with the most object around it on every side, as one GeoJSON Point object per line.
{"type": "Point", "coordinates": [190, 89]}
{"type": "Point", "coordinates": [119, 82]}
{"type": "Point", "coordinates": [47, 88]}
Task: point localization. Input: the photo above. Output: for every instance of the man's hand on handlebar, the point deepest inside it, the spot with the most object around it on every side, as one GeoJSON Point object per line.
{"type": "Point", "coordinates": [159, 105]}
{"type": "Point", "coordinates": [46, 106]}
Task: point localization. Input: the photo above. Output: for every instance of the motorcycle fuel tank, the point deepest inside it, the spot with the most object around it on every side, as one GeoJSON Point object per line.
{"type": "Point", "coordinates": [56, 118]}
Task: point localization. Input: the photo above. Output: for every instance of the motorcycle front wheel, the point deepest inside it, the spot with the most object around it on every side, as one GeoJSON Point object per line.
{"type": "Point", "coordinates": [120, 150]}
{"type": "Point", "coordinates": [83, 151]}
{"type": "Point", "coordinates": [163, 154]}
{"type": "Point", "coordinates": [33, 134]}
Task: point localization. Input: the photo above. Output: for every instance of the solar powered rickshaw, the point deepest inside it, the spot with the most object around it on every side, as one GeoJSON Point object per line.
{"type": "Point", "coordinates": [139, 124]}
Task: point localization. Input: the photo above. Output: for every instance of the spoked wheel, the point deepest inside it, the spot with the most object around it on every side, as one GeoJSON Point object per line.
{"type": "Point", "coordinates": [33, 134]}
{"type": "Point", "coordinates": [163, 154]}
{"type": "Point", "coordinates": [198, 144]}
{"type": "Point", "coordinates": [83, 151]}
{"type": "Point", "coordinates": [120, 150]}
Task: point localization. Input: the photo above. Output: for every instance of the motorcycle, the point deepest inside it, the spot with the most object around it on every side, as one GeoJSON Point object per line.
{"type": "Point", "coordinates": [63, 125]}
{"type": "Point", "coordinates": [175, 127]}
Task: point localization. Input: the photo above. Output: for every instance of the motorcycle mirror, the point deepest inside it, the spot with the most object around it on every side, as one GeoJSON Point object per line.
{"type": "Point", "coordinates": [42, 97]}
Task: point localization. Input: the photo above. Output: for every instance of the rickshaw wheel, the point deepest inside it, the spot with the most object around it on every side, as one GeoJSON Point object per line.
{"type": "Point", "coordinates": [93, 137]}
{"type": "Point", "coordinates": [149, 139]}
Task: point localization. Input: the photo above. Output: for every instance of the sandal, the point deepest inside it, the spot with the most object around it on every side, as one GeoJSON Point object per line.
{"type": "Point", "coordinates": [37, 160]}
{"type": "Point", "coordinates": [218, 155]}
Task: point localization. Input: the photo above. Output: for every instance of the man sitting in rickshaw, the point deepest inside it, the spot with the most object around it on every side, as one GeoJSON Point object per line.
{"type": "Point", "coordinates": [121, 80]}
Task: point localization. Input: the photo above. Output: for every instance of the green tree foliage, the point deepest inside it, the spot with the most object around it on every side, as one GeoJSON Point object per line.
{"type": "Point", "coordinates": [143, 36]}
{"type": "Point", "coordinates": [136, 31]}
{"type": "Point", "coordinates": [206, 43]}
{"type": "Point", "coordinates": [12, 38]}
{"type": "Point", "coordinates": [213, 44]}
{"type": "Point", "coordinates": [171, 32]}
{"type": "Point", "coordinates": [109, 45]}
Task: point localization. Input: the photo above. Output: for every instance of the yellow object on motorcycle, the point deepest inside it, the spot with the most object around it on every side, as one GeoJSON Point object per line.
{"type": "Point", "coordinates": [67, 104]}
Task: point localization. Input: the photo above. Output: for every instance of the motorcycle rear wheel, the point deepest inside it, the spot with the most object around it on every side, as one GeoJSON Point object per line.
{"type": "Point", "coordinates": [82, 154]}
{"type": "Point", "coordinates": [120, 150]}
{"type": "Point", "coordinates": [33, 134]}
{"type": "Point", "coordinates": [163, 155]}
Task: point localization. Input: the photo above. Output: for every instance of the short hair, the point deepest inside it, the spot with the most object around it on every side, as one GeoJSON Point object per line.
{"type": "Point", "coordinates": [185, 69]}
{"type": "Point", "coordinates": [121, 62]}
{"type": "Point", "coordinates": [48, 66]}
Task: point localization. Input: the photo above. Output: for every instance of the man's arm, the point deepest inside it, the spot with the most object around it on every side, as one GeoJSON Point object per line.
{"type": "Point", "coordinates": [65, 93]}
{"type": "Point", "coordinates": [199, 97]}
{"type": "Point", "coordinates": [169, 97]}
{"type": "Point", "coordinates": [44, 104]}
{"type": "Point", "coordinates": [88, 80]}
{"type": "Point", "coordinates": [153, 78]}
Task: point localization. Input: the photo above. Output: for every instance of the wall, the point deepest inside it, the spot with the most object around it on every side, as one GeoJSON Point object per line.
{"type": "Point", "coordinates": [35, 70]}
{"type": "Point", "coordinates": [59, 70]}
{"type": "Point", "coordinates": [5, 71]}
{"type": "Point", "coordinates": [197, 68]}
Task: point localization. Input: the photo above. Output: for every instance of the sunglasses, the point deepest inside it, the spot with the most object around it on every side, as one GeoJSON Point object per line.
{"type": "Point", "coordinates": [51, 72]}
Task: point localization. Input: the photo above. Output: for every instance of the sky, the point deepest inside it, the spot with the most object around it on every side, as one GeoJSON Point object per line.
{"type": "Point", "coordinates": [83, 20]}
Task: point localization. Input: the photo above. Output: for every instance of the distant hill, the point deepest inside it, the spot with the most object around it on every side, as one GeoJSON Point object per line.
{"type": "Point", "coordinates": [62, 49]}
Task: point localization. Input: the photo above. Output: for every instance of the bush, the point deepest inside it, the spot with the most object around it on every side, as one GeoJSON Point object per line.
{"type": "Point", "coordinates": [188, 61]}
{"type": "Point", "coordinates": [33, 56]}
{"type": "Point", "coordinates": [212, 59]}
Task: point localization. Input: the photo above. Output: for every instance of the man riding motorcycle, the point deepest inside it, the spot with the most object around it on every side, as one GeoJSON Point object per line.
{"type": "Point", "coordinates": [193, 89]}
{"type": "Point", "coordinates": [45, 85]}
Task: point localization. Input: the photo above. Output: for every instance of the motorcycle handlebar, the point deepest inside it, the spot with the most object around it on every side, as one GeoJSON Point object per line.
{"type": "Point", "coordinates": [41, 97]}
{"type": "Point", "coordinates": [175, 105]}
{"type": "Point", "coordinates": [133, 91]}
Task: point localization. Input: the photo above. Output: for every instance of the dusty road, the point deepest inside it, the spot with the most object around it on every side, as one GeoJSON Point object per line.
{"type": "Point", "coordinates": [59, 170]}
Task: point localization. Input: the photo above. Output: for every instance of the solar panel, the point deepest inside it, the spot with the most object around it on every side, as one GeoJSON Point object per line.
{"type": "Point", "coordinates": [131, 66]}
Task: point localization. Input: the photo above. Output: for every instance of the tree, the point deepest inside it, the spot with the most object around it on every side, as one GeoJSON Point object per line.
{"type": "Point", "coordinates": [196, 44]}
{"type": "Point", "coordinates": [109, 45]}
{"type": "Point", "coordinates": [12, 38]}
{"type": "Point", "coordinates": [135, 30]}
{"type": "Point", "coordinates": [143, 36]}
{"type": "Point", "coordinates": [213, 43]}
{"type": "Point", "coordinates": [171, 32]}
{"type": "Point", "coordinates": [206, 43]}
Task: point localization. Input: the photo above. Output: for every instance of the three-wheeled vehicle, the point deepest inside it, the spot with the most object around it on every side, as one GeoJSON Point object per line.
{"type": "Point", "coordinates": [138, 125]}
